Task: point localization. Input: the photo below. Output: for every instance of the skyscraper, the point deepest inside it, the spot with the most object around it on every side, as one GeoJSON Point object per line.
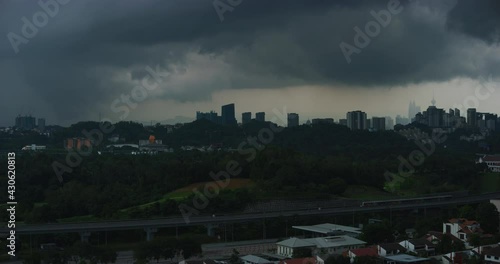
{"type": "Point", "coordinates": [25, 122]}
{"type": "Point", "coordinates": [435, 116]}
{"type": "Point", "coordinates": [41, 124]}
{"type": "Point", "coordinates": [413, 110]}
{"type": "Point", "coordinates": [260, 116]}
{"type": "Point", "coordinates": [472, 117]}
{"type": "Point", "coordinates": [356, 120]}
{"type": "Point", "coordinates": [293, 120]}
{"type": "Point", "coordinates": [228, 116]}
{"type": "Point", "coordinates": [210, 116]}
{"type": "Point", "coordinates": [389, 123]}
{"type": "Point", "coordinates": [246, 117]}
{"type": "Point", "coordinates": [378, 123]}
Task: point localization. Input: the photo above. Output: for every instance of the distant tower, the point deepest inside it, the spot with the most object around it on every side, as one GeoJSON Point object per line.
{"type": "Point", "coordinates": [293, 119]}
{"type": "Point", "coordinates": [433, 101]}
{"type": "Point", "coordinates": [246, 117]}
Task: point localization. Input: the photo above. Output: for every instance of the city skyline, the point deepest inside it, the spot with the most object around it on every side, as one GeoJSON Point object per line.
{"type": "Point", "coordinates": [195, 66]}
{"type": "Point", "coordinates": [303, 120]}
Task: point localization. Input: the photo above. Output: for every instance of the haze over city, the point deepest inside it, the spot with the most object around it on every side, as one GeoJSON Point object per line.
{"type": "Point", "coordinates": [92, 52]}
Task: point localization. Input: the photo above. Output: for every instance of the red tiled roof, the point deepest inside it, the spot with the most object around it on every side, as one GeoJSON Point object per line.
{"type": "Point", "coordinates": [464, 225]}
{"type": "Point", "coordinates": [439, 236]}
{"type": "Point", "coordinates": [360, 252]}
{"type": "Point", "coordinates": [491, 158]}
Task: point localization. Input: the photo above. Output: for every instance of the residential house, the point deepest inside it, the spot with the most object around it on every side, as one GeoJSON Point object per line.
{"type": "Point", "coordinates": [492, 255]}
{"type": "Point", "coordinates": [419, 246]}
{"type": "Point", "coordinates": [492, 161]}
{"type": "Point", "coordinates": [389, 249]}
{"type": "Point", "coordinates": [462, 228]}
{"type": "Point", "coordinates": [435, 237]}
{"type": "Point", "coordinates": [311, 260]}
{"type": "Point", "coordinates": [457, 257]}
{"type": "Point", "coordinates": [361, 252]}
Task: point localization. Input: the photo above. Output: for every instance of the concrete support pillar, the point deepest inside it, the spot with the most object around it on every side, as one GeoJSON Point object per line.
{"type": "Point", "coordinates": [84, 236]}
{"type": "Point", "coordinates": [150, 231]}
{"type": "Point", "coordinates": [210, 230]}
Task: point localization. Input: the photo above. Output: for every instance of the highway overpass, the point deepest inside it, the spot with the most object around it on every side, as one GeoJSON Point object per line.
{"type": "Point", "coordinates": [151, 225]}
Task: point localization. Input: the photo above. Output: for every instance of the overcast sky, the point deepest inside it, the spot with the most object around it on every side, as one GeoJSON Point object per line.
{"type": "Point", "coordinates": [85, 55]}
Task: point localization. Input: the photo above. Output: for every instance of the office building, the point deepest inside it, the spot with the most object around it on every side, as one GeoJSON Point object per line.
{"type": "Point", "coordinates": [400, 120]}
{"type": "Point", "coordinates": [435, 116]}
{"type": "Point", "coordinates": [317, 121]}
{"type": "Point", "coordinates": [246, 117]}
{"type": "Point", "coordinates": [25, 122]}
{"type": "Point", "coordinates": [472, 117]}
{"type": "Point", "coordinates": [378, 123]}
{"type": "Point", "coordinates": [228, 115]}
{"type": "Point", "coordinates": [356, 120]}
{"type": "Point", "coordinates": [413, 110]}
{"type": "Point", "coordinates": [389, 123]}
{"type": "Point", "coordinates": [210, 116]}
{"type": "Point", "coordinates": [293, 120]}
{"type": "Point", "coordinates": [41, 124]}
{"type": "Point", "coordinates": [260, 116]}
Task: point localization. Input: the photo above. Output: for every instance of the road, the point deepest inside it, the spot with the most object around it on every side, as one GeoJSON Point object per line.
{"type": "Point", "coordinates": [218, 219]}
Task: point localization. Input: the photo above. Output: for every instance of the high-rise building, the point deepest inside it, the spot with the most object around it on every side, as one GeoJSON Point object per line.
{"type": "Point", "coordinates": [401, 120]}
{"type": "Point", "coordinates": [378, 123]}
{"type": "Point", "coordinates": [293, 120]}
{"type": "Point", "coordinates": [389, 123]}
{"type": "Point", "coordinates": [260, 116]}
{"type": "Point", "coordinates": [246, 117]}
{"type": "Point", "coordinates": [228, 115]}
{"type": "Point", "coordinates": [356, 120]}
{"type": "Point", "coordinates": [316, 121]}
{"type": "Point", "coordinates": [413, 110]}
{"type": "Point", "coordinates": [435, 116]}
{"type": "Point", "coordinates": [25, 122]}
{"type": "Point", "coordinates": [472, 117]}
{"type": "Point", "coordinates": [41, 124]}
{"type": "Point", "coordinates": [210, 116]}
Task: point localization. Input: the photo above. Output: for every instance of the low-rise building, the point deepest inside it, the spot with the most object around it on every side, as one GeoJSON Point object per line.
{"type": "Point", "coordinates": [327, 229]}
{"type": "Point", "coordinates": [361, 252]}
{"type": "Point", "coordinates": [419, 246]}
{"type": "Point", "coordinates": [492, 255]}
{"type": "Point", "coordinates": [492, 161]}
{"type": "Point", "coordinates": [319, 245]}
{"type": "Point", "coordinates": [389, 249]}
{"type": "Point", "coordinates": [253, 259]}
{"type": "Point", "coordinates": [404, 259]}
{"type": "Point", "coordinates": [311, 260]}
{"type": "Point", "coordinates": [462, 228]}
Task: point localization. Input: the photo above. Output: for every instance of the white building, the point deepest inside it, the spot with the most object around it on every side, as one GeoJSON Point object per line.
{"type": "Point", "coordinates": [492, 161]}
{"type": "Point", "coordinates": [418, 246]}
{"type": "Point", "coordinates": [319, 245]}
{"type": "Point", "coordinates": [33, 147]}
{"type": "Point", "coordinates": [462, 228]}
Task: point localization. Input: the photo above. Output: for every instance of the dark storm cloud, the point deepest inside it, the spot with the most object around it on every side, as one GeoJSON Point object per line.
{"type": "Point", "coordinates": [479, 19]}
{"type": "Point", "coordinates": [93, 51]}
